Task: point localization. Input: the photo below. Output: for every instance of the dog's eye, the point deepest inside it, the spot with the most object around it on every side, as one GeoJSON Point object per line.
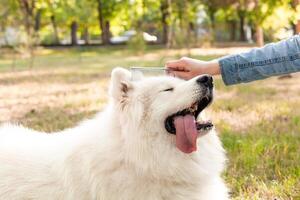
{"type": "Point", "coordinates": [169, 89]}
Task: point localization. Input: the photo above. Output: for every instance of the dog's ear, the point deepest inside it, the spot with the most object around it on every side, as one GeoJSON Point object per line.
{"type": "Point", "coordinates": [120, 83]}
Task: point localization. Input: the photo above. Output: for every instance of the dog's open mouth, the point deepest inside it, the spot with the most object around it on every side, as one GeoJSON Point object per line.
{"type": "Point", "coordinates": [184, 125]}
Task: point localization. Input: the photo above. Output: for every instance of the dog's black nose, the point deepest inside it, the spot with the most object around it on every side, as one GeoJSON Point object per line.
{"type": "Point", "coordinates": [205, 80]}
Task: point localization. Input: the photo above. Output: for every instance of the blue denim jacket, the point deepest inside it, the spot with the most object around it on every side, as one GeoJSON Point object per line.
{"type": "Point", "coordinates": [273, 59]}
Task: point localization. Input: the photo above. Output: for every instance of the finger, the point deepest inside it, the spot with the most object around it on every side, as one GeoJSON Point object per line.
{"type": "Point", "coordinates": [177, 68]}
{"type": "Point", "coordinates": [175, 65]}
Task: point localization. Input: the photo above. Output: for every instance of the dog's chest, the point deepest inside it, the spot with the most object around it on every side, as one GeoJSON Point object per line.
{"type": "Point", "coordinates": [136, 188]}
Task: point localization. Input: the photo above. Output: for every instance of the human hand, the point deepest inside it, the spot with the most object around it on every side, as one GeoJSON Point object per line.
{"type": "Point", "coordinates": [187, 68]}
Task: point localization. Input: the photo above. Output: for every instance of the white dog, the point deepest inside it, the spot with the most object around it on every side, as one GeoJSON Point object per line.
{"type": "Point", "coordinates": [146, 145]}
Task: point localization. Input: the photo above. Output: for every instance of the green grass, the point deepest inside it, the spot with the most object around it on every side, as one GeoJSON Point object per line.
{"type": "Point", "coordinates": [264, 161]}
{"type": "Point", "coordinates": [259, 123]}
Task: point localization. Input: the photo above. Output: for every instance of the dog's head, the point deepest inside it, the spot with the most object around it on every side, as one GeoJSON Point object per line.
{"type": "Point", "coordinates": [162, 108]}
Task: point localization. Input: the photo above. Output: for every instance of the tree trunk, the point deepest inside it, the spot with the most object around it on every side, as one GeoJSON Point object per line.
{"type": "Point", "coordinates": [54, 25]}
{"type": "Point", "coordinates": [28, 9]}
{"type": "Point", "coordinates": [296, 3]}
{"type": "Point", "coordinates": [170, 27]}
{"type": "Point", "coordinates": [37, 20]}
{"type": "Point", "coordinates": [213, 20]}
{"type": "Point", "coordinates": [107, 32]}
{"type": "Point", "coordinates": [74, 27]}
{"type": "Point", "coordinates": [211, 14]}
{"type": "Point", "coordinates": [164, 8]}
{"type": "Point", "coordinates": [85, 35]}
{"type": "Point", "coordinates": [192, 28]}
{"type": "Point", "coordinates": [297, 27]}
{"type": "Point", "coordinates": [103, 24]}
{"type": "Point", "coordinates": [232, 27]}
{"type": "Point", "coordinates": [241, 15]}
{"type": "Point", "coordinates": [259, 35]}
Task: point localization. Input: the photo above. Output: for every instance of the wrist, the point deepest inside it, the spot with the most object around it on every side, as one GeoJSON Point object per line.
{"type": "Point", "coordinates": [213, 67]}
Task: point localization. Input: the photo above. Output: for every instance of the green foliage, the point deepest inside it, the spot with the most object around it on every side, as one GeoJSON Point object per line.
{"type": "Point", "coordinates": [146, 15]}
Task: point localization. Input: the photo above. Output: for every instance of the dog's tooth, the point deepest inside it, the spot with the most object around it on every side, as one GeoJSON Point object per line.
{"type": "Point", "coordinates": [193, 107]}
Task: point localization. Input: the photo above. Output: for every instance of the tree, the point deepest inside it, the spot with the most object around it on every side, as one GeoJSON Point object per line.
{"type": "Point", "coordinates": [74, 28]}
{"type": "Point", "coordinates": [52, 11]}
{"type": "Point", "coordinates": [182, 18]}
{"type": "Point", "coordinates": [87, 18]}
{"type": "Point", "coordinates": [211, 7]}
{"type": "Point", "coordinates": [241, 10]}
{"type": "Point", "coordinates": [79, 15]}
{"type": "Point", "coordinates": [107, 10]}
{"type": "Point", "coordinates": [31, 10]}
{"type": "Point", "coordinates": [261, 10]}
{"type": "Point", "coordinates": [165, 8]}
{"type": "Point", "coordinates": [255, 12]}
{"type": "Point", "coordinates": [9, 13]}
{"type": "Point", "coordinates": [296, 7]}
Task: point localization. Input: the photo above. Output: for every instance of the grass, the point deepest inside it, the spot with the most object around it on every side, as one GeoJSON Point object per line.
{"type": "Point", "coordinates": [259, 123]}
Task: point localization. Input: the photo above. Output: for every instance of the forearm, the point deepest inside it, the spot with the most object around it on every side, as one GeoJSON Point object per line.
{"type": "Point", "coordinates": [271, 60]}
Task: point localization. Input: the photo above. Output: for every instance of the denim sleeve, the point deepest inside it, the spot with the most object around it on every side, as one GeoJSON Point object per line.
{"type": "Point", "coordinates": [259, 63]}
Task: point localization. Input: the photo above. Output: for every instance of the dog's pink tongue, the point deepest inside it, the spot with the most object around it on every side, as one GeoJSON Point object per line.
{"type": "Point", "coordinates": [186, 133]}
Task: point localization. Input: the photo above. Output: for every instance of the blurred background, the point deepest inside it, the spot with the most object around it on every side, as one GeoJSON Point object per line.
{"type": "Point", "coordinates": [174, 23]}
{"type": "Point", "coordinates": [56, 57]}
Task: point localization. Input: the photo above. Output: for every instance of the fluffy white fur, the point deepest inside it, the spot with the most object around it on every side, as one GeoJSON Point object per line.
{"type": "Point", "coordinates": [124, 153]}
